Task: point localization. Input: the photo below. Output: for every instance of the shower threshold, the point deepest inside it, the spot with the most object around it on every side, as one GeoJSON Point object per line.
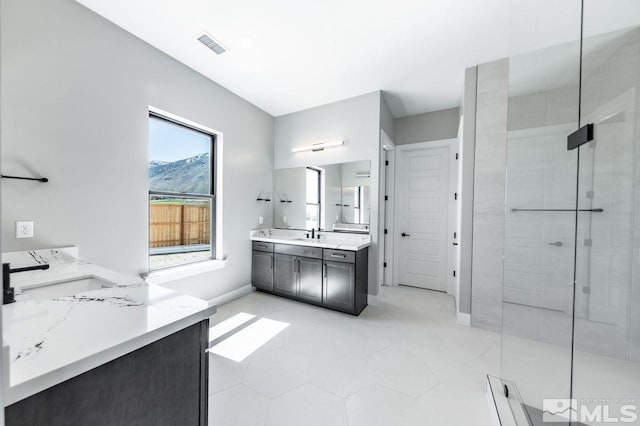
{"type": "Point", "coordinates": [510, 410]}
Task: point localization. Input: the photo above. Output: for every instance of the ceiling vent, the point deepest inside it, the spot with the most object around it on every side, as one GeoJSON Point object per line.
{"type": "Point", "coordinates": [211, 43]}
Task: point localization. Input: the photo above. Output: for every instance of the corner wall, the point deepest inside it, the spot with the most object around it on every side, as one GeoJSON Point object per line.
{"type": "Point", "coordinates": [75, 96]}
{"type": "Point", "coordinates": [468, 117]}
{"type": "Point", "coordinates": [489, 194]}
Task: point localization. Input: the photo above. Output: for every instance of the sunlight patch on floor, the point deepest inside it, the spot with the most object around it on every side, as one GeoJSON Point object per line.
{"type": "Point", "coordinates": [228, 325]}
{"type": "Point", "coordinates": [248, 340]}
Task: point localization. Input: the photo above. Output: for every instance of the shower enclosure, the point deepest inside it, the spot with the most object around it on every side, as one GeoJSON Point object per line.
{"type": "Point", "coordinates": [571, 301]}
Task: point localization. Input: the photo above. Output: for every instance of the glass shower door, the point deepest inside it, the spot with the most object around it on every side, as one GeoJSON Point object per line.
{"type": "Point", "coordinates": [606, 348]}
{"type": "Point", "coordinates": [540, 219]}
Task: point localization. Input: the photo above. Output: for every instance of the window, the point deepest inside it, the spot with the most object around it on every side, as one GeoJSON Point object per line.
{"type": "Point", "coordinates": [313, 198]}
{"type": "Point", "coordinates": [181, 193]}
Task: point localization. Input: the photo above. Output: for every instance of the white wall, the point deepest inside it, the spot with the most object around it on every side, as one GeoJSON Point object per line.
{"type": "Point", "coordinates": [75, 95]}
{"type": "Point", "coordinates": [356, 121]}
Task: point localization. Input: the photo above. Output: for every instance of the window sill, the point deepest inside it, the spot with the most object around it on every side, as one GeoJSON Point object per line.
{"type": "Point", "coordinates": [183, 271]}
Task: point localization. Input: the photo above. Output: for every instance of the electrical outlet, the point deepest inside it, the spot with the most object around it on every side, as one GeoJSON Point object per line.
{"type": "Point", "coordinates": [24, 229]}
{"type": "Point", "coordinates": [260, 220]}
{"type": "Point", "coordinates": [284, 219]}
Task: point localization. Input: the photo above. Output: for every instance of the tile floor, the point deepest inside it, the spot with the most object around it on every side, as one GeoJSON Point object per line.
{"type": "Point", "coordinates": [404, 362]}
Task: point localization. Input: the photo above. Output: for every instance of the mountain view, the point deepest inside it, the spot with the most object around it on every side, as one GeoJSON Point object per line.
{"type": "Point", "coordinates": [189, 175]}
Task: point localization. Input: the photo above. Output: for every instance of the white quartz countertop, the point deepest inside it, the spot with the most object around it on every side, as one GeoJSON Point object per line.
{"type": "Point", "coordinates": [52, 340]}
{"type": "Point", "coordinates": [328, 240]}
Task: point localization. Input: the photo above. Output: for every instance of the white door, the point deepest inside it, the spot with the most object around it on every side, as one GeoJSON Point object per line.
{"type": "Point", "coordinates": [422, 211]}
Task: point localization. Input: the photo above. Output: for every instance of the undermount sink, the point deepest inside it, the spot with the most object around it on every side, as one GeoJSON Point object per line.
{"type": "Point", "coordinates": [66, 288]}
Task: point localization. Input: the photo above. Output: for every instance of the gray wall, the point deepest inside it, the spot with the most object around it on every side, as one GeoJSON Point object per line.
{"type": "Point", "coordinates": [356, 121]}
{"type": "Point", "coordinates": [387, 122]}
{"type": "Point", "coordinates": [432, 126]}
{"type": "Point", "coordinates": [488, 194]}
{"type": "Point", "coordinates": [75, 96]}
{"type": "Point", "coordinates": [467, 154]}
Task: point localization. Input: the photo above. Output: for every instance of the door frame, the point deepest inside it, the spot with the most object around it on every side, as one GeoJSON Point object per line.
{"type": "Point", "coordinates": [386, 208]}
{"type": "Point", "coordinates": [452, 221]}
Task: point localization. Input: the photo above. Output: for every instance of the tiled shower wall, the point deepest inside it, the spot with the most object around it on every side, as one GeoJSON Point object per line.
{"type": "Point", "coordinates": [488, 195]}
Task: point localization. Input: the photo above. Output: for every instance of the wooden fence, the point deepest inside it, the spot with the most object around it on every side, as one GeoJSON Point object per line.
{"type": "Point", "coordinates": [179, 224]}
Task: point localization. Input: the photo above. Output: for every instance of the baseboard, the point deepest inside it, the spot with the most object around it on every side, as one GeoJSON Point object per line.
{"type": "Point", "coordinates": [463, 319]}
{"type": "Point", "coordinates": [232, 295]}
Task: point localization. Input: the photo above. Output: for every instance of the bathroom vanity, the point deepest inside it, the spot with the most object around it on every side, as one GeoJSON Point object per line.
{"type": "Point", "coordinates": [331, 271]}
{"type": "Point", "coordinates": [296, 260]}
{"type": "Point", "coordinates": [89, 346]}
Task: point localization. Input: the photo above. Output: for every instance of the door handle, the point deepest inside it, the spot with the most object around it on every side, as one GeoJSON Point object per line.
{"type": "Point", "coordinates": [455, 244]}
{"type": "Point", "coordinates": [405, 234]}
{"type": "Point", "coordinates": [271, 262]}
{"type": "Point", "coordinates": [324, 270]}
{"type": "Point", "coordinates": [557, 244]}
{"type": "Point", "coordinates": [342, 256]}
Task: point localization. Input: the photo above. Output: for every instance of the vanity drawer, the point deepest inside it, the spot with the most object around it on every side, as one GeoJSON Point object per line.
{"type": "Point", "coordinates": [301, 251]}
{"type": "Point", "coordinates": [262, 246]}
{"type": "Point", "coordinates": [340, 255]}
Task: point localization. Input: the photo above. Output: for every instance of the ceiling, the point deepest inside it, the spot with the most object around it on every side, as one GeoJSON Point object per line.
{"type": "Point", "coordinates": [307, 53]}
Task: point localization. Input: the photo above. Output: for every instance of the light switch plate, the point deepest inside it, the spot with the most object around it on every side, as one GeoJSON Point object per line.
{"type": "Point", "coordinates": [24, 229]}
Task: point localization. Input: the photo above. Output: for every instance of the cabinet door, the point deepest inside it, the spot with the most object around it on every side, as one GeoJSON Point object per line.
{"type": "Point", "coordinates": [263, 270]}
{"type": "Point", "coordinates": [310, 279]}
{"type": "Point", "coordinates": [285, 276]}
{"type": "Point", "coordinates": [339, 285]}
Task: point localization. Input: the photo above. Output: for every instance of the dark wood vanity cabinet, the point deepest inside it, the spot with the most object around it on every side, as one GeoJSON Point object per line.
{"type": "Point", "coordinates": [262, 269]}
{"type": "Point", "coordinates": [285, 275]}
{"type": "Point", "coordinates": [339, 290]}
{"type": "Point", "coordinates": [336, 279]}
{"type": "Point", "coordinates": [298, 276]}
{"type": "Point", "coordinates": [310, 279]}
{"type": "Point", "coordinates": [162, 384]}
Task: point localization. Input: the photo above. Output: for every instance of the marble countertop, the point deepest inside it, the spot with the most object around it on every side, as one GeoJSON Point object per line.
{"type": "Point", "coordinates": [52, 340]}
{"type": "Point", "coordinates": [328, 240]}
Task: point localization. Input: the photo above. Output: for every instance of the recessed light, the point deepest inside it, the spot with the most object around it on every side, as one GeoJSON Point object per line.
{"type": "Point", "coordinates": [246, 42]}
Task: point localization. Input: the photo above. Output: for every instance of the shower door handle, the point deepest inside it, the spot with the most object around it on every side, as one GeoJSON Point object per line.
{"type": "Point", "coordinates": [557, 244]}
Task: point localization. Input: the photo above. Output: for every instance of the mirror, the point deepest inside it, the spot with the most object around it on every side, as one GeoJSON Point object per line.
{"type": "Point", "coordinates": [332, 197]}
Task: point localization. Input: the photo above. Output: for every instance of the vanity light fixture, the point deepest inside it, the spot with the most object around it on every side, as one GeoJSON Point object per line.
{"type": "Point", "coordinates": [317, 146]}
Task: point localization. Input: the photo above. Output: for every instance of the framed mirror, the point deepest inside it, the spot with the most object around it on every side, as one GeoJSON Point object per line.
{"type": "Point", "coordinates": [333, 197]}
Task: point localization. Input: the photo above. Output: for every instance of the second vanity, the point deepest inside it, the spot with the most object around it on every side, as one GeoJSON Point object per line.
{"type": "Point", "coordinates": [90, 346]}
{"type": "Point", "coordinates": [331, 271]}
